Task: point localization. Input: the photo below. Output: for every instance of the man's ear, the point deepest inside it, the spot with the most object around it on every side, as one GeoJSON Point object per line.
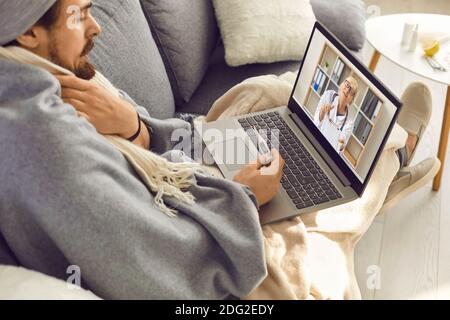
{"type": "Point", "coordinates": [33, 38]}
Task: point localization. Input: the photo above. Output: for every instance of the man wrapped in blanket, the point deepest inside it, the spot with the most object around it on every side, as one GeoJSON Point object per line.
{"type": "Point", "coordinates": [90, 179]}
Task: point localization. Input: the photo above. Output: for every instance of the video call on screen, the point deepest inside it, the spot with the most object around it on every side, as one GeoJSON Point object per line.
{"type": "Point", "coordinates": [350, 112]}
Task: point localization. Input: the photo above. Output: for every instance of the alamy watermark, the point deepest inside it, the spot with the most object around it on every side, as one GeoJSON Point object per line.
{"type": "Point", "coordinates": [74, 19]}
{"type": "Point", "coordinates": [228, 147]}
{"type": "Point", "coordinates": [373, 281]}
{"type": "Point", "coordinates": [373, 11]}
{"type": "Point", "coordinates": [74, 279]}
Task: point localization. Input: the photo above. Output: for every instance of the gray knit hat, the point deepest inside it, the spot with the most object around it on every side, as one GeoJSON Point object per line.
{"type": "Point", "coordinates": [17, 16]}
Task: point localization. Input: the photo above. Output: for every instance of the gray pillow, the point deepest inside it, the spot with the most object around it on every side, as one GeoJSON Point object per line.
{"type": "Point", "coordinates": [187, 34]}
{"type": "Point", "coordinates": [345, 18]}
{"type": "Point", "coordinates": [128, 56]}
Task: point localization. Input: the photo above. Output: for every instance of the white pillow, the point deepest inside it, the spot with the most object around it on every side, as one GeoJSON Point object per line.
{"type": "Point", "coordinates": [264, 31]}
{"type": "Point", "coordinates": [17, 283]}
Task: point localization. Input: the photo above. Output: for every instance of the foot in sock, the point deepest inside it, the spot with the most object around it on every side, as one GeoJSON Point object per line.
{"type": "Point", "coordinates": [411, 143]}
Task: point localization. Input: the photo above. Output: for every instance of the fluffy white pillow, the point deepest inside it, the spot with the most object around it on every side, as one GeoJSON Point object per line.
{"type": "Point", "coordinates": [17, 283]}
{"type": "Point", "coordinates": [264, 31]}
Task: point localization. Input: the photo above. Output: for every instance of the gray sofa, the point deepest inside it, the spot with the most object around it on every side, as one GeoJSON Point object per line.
{"type": "Point", "coordinates": [168, 56]}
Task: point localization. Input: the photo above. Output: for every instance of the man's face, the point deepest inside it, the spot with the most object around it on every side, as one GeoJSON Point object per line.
{"type": "Point", "coordinates": [71, 38]}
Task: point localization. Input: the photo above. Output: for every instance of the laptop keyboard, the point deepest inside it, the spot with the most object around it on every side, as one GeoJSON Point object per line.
{"type": "Point", "coordinates": [303, 179]}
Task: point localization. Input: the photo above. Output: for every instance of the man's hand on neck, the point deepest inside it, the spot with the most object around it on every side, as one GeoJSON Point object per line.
{"type": "Point", "coordinates": [109, 114]}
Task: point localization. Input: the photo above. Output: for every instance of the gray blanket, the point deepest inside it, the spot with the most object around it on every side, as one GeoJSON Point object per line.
{"type": "Point", "coordinates": [67, 197]}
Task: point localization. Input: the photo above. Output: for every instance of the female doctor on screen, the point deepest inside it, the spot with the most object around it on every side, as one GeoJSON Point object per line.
{"type": "Point", "coordinates": [334, 108]}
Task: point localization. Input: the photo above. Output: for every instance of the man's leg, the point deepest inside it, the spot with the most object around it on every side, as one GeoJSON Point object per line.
{"type": "Point", "coordinates": [414, 118]}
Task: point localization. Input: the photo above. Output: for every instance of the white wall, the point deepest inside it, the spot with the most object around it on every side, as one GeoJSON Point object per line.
{"type": "Point", "coordinates": [410, 6]}
{"type": "Point", "coordinates": [309, 67]}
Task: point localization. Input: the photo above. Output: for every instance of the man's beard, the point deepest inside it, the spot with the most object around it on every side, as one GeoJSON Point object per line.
{"type": "Point", "coordinates": [84, 70]}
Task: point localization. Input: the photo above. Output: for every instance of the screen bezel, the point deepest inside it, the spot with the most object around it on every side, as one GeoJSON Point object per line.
{"type": "Point", "coordinates": [294, 107]}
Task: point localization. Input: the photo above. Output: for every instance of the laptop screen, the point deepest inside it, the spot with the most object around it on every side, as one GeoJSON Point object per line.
{"type": "Point", "coordinates": [351, 110]}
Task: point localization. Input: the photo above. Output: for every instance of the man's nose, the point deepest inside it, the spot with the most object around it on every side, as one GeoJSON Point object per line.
{"type": "Point", "coordinates": [95, 29]}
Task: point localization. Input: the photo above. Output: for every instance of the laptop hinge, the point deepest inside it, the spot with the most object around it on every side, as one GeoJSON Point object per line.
{"type": "Point", "coordinates": [335, 168]}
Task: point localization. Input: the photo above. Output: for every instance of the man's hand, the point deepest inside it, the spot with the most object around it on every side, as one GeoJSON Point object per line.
{"type": "Point", "coordinates": [109, 114]}
{"type": "Point", "coordinates": [325, 109]}
{"type": "Point", "coordinates": [263, 181]}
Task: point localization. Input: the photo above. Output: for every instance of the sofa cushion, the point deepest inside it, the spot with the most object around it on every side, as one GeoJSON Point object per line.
{"type": "Point", "coordinates": [221, 77]}
{"type": "Point", "coordinates": [128, 56]}
{"type": "Point", "coordinates": [186, 33]}
{"type": "Point", "coordinates": [345, 18]}
{"type": "Point", "coordinates": [264, 31]}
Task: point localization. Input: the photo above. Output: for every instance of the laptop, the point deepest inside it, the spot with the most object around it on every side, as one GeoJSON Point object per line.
{"type": "Point", "coordinates": [319, 172]}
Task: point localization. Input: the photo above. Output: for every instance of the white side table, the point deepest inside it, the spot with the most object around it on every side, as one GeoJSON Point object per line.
{"type": "Point", "coordinates": [384, 33]}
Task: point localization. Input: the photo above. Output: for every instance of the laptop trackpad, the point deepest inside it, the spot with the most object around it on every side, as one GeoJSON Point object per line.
{"type": "Point", "coordinates": [232, 153]}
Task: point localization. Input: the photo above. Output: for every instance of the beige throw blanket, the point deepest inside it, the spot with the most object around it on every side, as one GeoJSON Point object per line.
{"type": "Point", "coordinates": [312, 256]}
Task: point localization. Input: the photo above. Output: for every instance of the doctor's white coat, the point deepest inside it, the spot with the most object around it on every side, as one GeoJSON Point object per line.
{"type": "Point", "coordinates": [327, 97]}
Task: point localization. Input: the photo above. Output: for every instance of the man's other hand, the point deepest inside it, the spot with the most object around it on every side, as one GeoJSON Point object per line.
{"type": "Point", "coordinates": [263, 181]}
{"type": "Point", "coordinates": [107, 113]}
